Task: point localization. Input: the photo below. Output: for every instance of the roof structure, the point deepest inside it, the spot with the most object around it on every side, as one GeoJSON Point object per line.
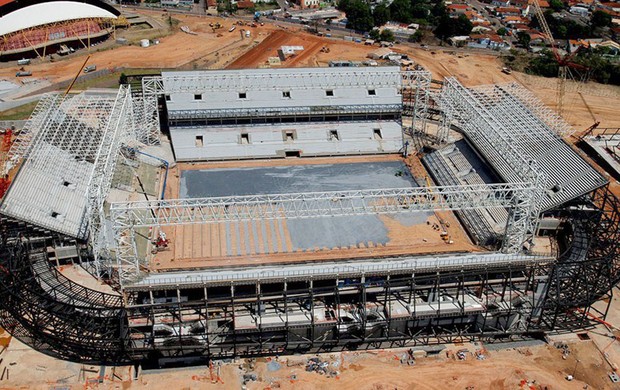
{"type": "Point", "coordinates": [286, 89]}
{"type": "Point", "coordinates": [534, 131]}
{"type": "Point", "coordinates": [69, 158]}
{"type": "Point", "coordinates": [21, 15]}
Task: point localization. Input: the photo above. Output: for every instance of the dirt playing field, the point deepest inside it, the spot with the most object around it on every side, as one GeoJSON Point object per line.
{"type": "Point", "coordinates": [204, 245]}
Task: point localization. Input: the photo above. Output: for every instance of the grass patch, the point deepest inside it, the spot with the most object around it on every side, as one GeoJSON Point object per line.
{"type": "Point", "coordinates": [111, 80]}
{"type": "Point", "coordinates": [18, 113]}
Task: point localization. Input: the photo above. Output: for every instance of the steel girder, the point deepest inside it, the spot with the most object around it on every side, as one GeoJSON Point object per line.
{"type": "Point", "coordinates": [147, 111]}
{"type": "Point", "coordinates": [129, 216]}
{"type": "Point", "coordinates": [119, 127]}
{"type": "Point", "coordinates": [277, 112]}
{"type": "Point", "coordinates": [416, 94]}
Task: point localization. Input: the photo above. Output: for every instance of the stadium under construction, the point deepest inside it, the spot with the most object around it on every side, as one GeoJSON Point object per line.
{"type": "Point", "coordinates": [258, 212]}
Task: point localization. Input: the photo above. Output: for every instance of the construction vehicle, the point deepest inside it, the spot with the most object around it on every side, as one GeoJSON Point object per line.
{"type": "Point", "coordinates": [160, 243]}
{"type": "Point", "coordinates": [5, 182]}
{"type": "Point", "coordinates": [215, 26]}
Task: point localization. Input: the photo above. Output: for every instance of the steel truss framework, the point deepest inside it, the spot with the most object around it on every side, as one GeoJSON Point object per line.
{"type": "Point", "coordinates": [120, 130]}
{"type": "Point", "coordinates": [88, 131]}
{"type": "Point", "coordinates": [276, 112]}
{"type": "Point", "coordinates": [129, 216]}
{"type": "Point", "coordinates": [527, 134]}
{"type": "Point", "coordinates": [415, 91]}
{"type": "Point", "coordinates": [541, 111]}
{"type": "Point", "coordinates": [42, 113]}
{"type": "Point", "coordinates": [486, 130]}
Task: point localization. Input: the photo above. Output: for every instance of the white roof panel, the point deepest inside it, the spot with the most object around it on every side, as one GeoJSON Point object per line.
{"type": "Point", "coordinates": [46, 13]}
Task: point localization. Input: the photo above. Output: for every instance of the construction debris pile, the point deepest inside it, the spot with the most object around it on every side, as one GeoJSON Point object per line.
{"type": "Point", "coordinates": [315, 364]}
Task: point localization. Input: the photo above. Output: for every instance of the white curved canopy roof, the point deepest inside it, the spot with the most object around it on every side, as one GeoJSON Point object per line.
{"type": "Point", "coordinates": [45, 13]}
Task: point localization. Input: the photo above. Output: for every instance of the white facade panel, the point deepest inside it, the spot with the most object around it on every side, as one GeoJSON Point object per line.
{"type": "Point", "coordinates": [213, 100]}
{"type": "Point", "coordinates": [231, 89]}
{"type": "Point", "coordinates": [267, 141]}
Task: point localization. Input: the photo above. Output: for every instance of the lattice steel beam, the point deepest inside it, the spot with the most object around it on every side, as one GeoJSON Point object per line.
{"type": "Point", "coordinates": [129, 216]}
{"type": "Point", "coordinates": [416, 93]}
{"type": "Point", "coordinates": [555, 122]}
{"type": "Point", "coordinates": [315, 204]}
{"type": "Point", "coordinates": [119, 125]}
{"type": "Point", "coordinates": [146, 116]}
{"type": "Point", "coordinates": [37, 121]}
{"type": "Point", "coordinates": [487, 130]}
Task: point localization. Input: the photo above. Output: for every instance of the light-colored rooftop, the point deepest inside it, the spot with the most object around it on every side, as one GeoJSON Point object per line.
{"type": "Point", "coordinates": [51, 12]}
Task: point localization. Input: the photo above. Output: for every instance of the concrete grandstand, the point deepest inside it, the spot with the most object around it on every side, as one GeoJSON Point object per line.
{"type": "Point", "coordinates": [35, 28]}
{"type": "Point", "coordinates": [285, 223]}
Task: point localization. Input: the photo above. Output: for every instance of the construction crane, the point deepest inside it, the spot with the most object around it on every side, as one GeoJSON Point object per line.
{"type": "Point", "coordinates": [590, 129]}
{"type": "Point", "coordinates": [565, 63]}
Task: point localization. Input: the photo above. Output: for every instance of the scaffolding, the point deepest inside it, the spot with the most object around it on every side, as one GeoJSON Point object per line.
{"type": "Point", "coordinates": [120, 129]}
{"type": "Point", "coordinates": [147, 111]}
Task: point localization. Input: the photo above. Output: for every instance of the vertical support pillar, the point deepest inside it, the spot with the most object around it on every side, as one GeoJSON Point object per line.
{"type": "Point", "coordinates": [286, 326]}
{"type": "Point", "coordinates": [206, 317]}
{"type": "Point", "coordinates": [312, 324]}
{"type": "Point", "coordinates": [234, 326]}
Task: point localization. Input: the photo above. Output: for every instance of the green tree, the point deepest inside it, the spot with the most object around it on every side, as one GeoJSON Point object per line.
{"type": "Point", "coordinates": [122, 79]}
{"type": "Point", "coordinates": [359, 16]}
{"type": "Point", "coordinates": [375, 34]}
{"type": "Point", "coordinates": [387, 35]}
{"type": "Point", "coordinates": [543, 65]}
{"type": "Point", "coordinates": [381, 14]}
{"type": "Point", "coordinates": [401, 11]}
{"type": "Point", "coordinates": [600, 19]}
{"type": "Point", "coordinates": [420, 10]}
{"type": "Point", "coordinates": [439, 10]}
{"type": "Point", "coordinates": [450, 27]}
{"type": "Point", "coordinates": [502, 31]}
{"type": "Point", "coordinates": [524, 39]}
{"type": "Point", "coordinates": [556, 5]}
{"type": "Point", "coordinates": [417, 36]}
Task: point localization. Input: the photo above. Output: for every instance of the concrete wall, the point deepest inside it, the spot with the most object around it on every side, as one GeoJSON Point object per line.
{"type": "Point", "coordinates": [269, 141]}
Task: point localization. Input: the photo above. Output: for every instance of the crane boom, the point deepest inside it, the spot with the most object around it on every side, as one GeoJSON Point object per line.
{"type": "Point", "coordinates": [544, 26]}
